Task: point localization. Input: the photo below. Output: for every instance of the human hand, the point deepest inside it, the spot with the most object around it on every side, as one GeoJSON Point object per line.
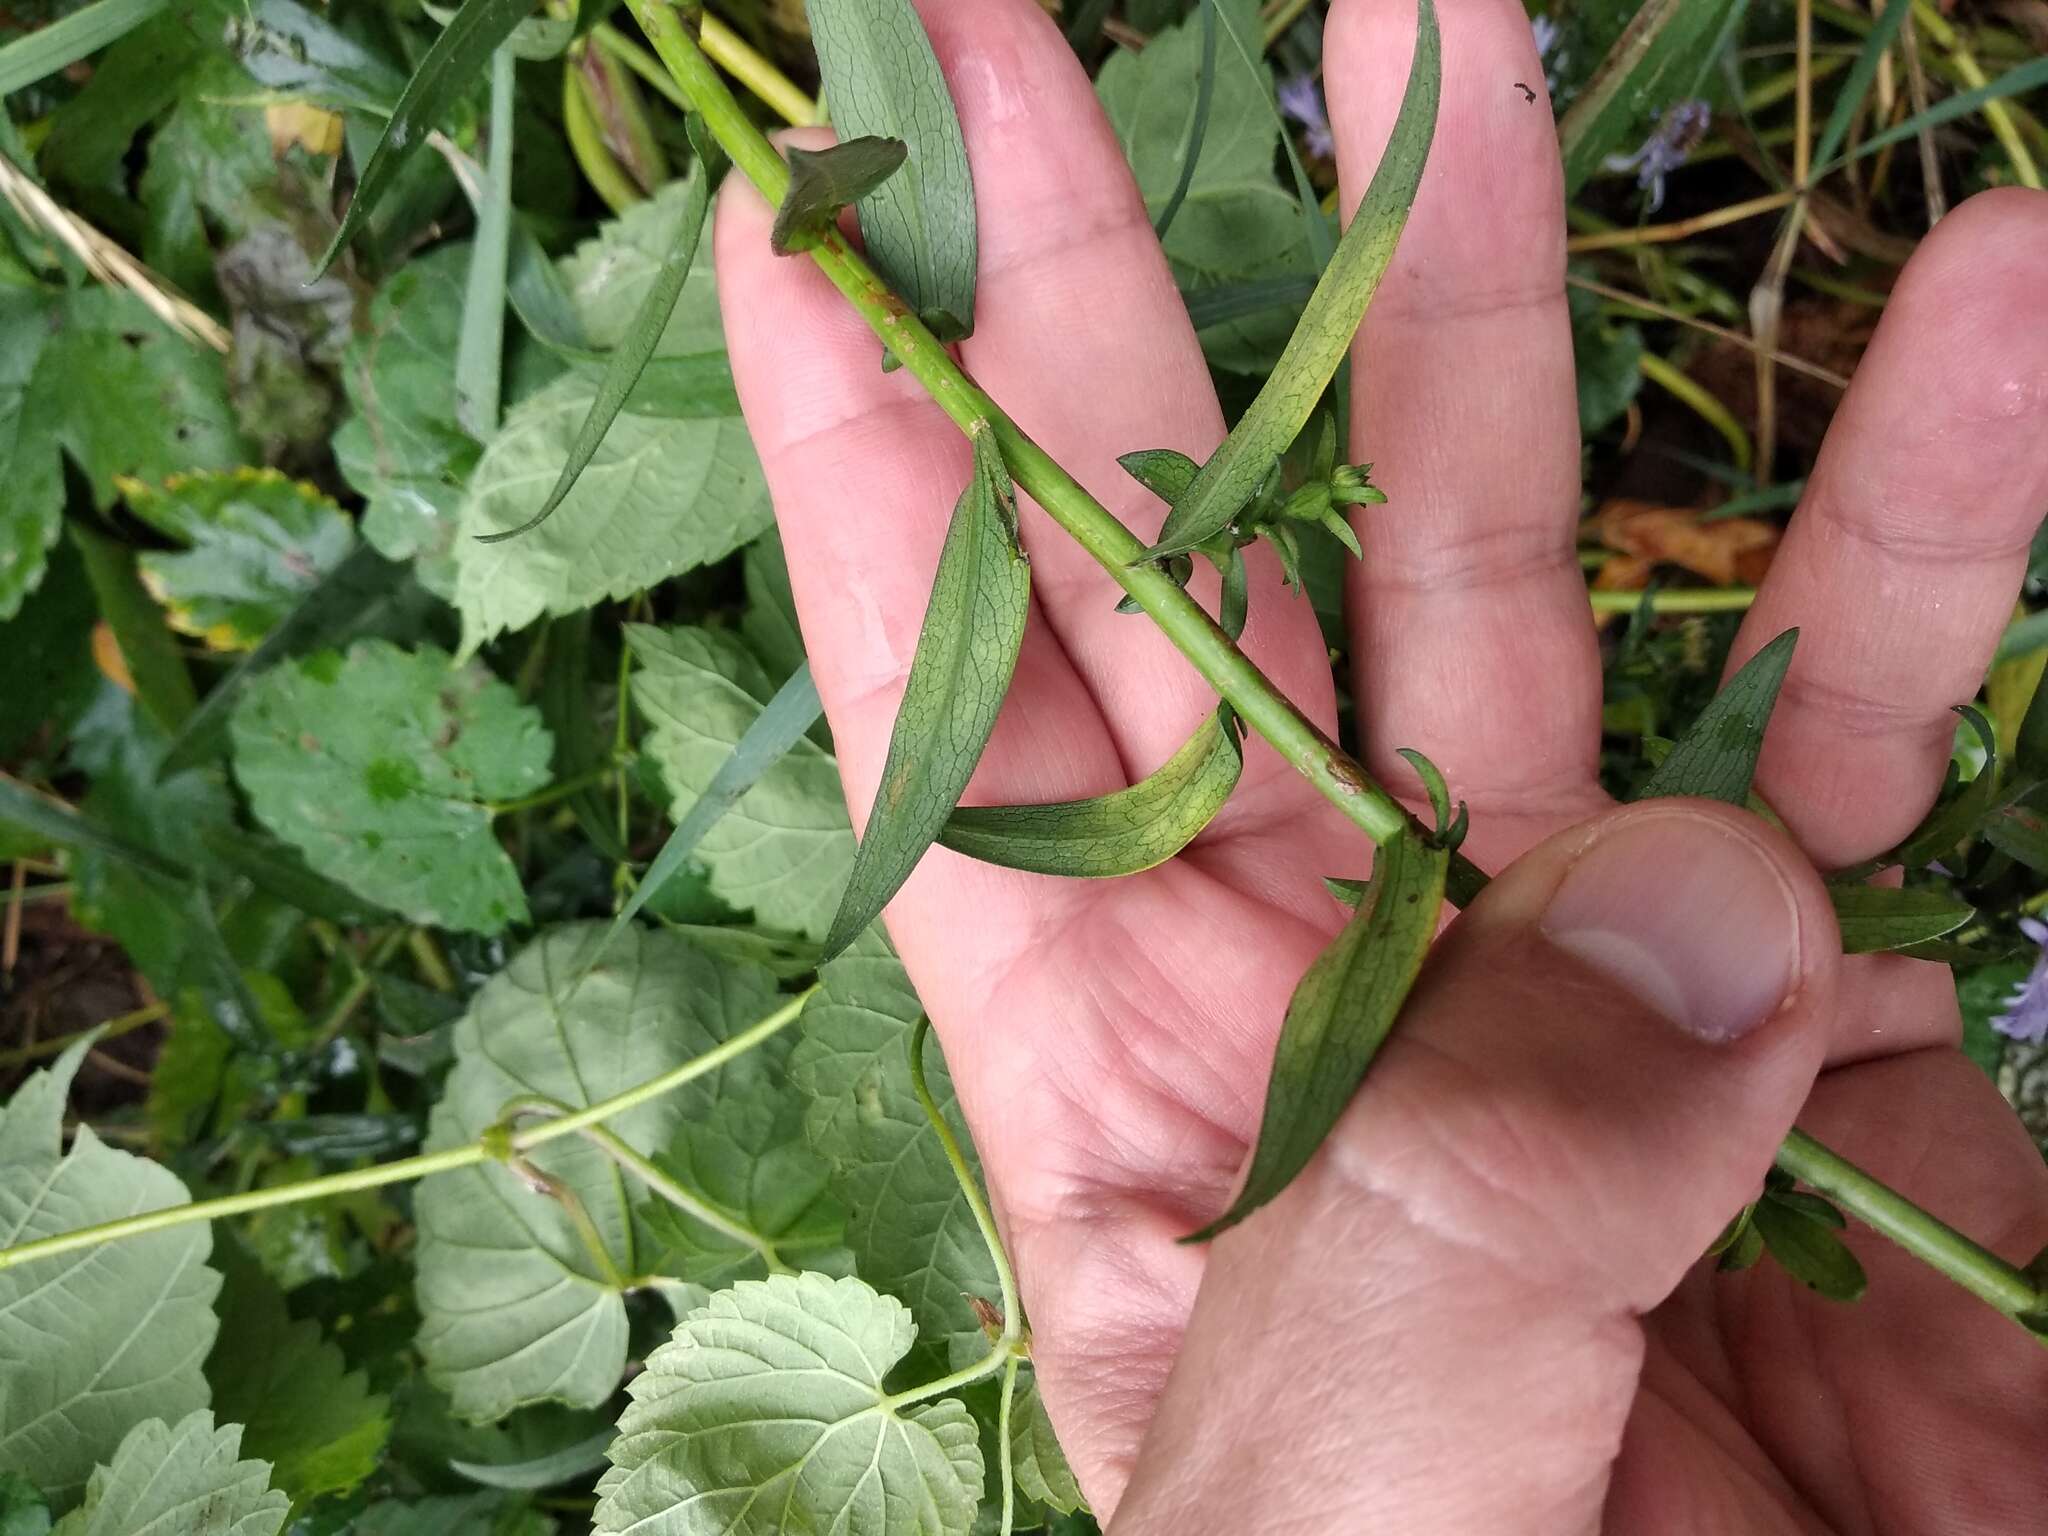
{"type": "Point", "coordinates": [1548, 1160]}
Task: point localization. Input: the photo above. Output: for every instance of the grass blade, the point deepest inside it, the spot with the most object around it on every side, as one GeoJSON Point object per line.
{"type": "Point", "coordinates": [1340, 1015]}
{"type": "Point", "coordinates": [457, 56]}
{"type": "Point", "coordinates": [2031, 76]}
{"type": "Point", "coordinates": [883, 79]}
{"type": "Point", "coordinates": [480, 345]}
{"type": "Point", "coordinates": [1659, 58]}
{"type": "Point", "coordinates": [627, 362]}
{"type": "Point", "coordinates": [162, 685]}
{"type": "Point", "coordinates": [1861, 74]}
{"type": "Point", "coordinates": [1198, 125]}
{"type": "Point", "coordinates": [1319, 344]}
{"type": "Point", "coordinates": [24, 808]}
{"type": "Point", "coordinates": [959, 674]}
{"type": "Point", "coordinates": [1115, 834]}
{"type": "Point", "coordinates": [792, 712]}
{"type": "Point", "coordinates": [63, 43]}
{"type": "Point", "coordinates": [565, 700]}
{"type": "Point", "coordinates": [1874, 919]}
{"type": "Point", "coordinates": [1716, 759]}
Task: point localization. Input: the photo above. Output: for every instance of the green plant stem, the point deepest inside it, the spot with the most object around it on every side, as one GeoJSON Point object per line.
{"type": "Point", "coordinates": [648, 1173]}
{"type": "Point", "coordinates": [1005, 1457]}
{"type": "Point", "coordinates": [1684, 600]}
{"type": "Point", "coordinates": [1260, 704]}
{"type": "Point", "coordinates": [1278, 17]}
{"type": "Point", "coordinates": [409, 1168]}
{"type": "Point", "coordinates": [555, 792]}
{"type": "Point", "coordinates": [113, 1029]}
{"type": "Point", "coordinates": [1934, 1242]}
{"type": "Point", "coordinates": [1006, 1345]}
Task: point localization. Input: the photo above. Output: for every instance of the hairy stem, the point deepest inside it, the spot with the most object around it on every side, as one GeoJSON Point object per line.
{"type": "Point", "coordinates": [1260, 704]}
{"type": "Point", "coordinates": [1934, 1242]}
{"type": "Point", "coordinates": [405, 1169]}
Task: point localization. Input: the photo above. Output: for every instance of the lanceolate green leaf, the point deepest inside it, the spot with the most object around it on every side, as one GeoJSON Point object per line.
{"type": "Point", "coordinates": [1873, 918]}
{"type": "Point", "coordinates": [76, 1370]}
{"type": "Point", "coordinates": [766, 1413]}
{"type": "Point", "coordinates": [1198, 125]}
{"type": "Point", "coordinates": [188, 1478]}
{"type": "Point", "coordinates": [2021, 833]}
{"type": "Point", "coordinates": [629, 359]}
{"type": "Point", "coordinates": [823, 181]}
{"type": "Point", "coordinates": [456, 58]}
{"type": "Point", "coordinates": [1340, 1015]}
{"type": "Point", "coordinates": [1809, 1248]}
{"type": "Point", "coordinates": [1716, 758]}
{"type": "Point", "coordinates": [1948, 824]}
{"type": "Point", "coordinates": [1114, 834]}
{"type": "Point", "coordinates": [966, 651]}
{"type": "Point", "coordinates": [64, 42]}
{"type": "Point", "coordinates": [1329, 322]}
{"type": "Point", "coordinates": [882, 78]}
{"type": "Point", "coordinates": [163, 686]}
{"type": "Point", "coordinates": [515, 1306]}
{"type": "Point", "coordinates": [1659, 59]}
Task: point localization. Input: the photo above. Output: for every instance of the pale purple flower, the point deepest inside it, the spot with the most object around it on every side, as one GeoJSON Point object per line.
{"type": "Point", "coordinates": [2026, 1011]}
{"type": "Point", "coordinates": [1677, 130]}
{"type": "Point", "coordinates": [1302, 99]}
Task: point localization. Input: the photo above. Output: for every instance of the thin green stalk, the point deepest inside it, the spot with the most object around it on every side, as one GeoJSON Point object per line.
{"type": "Point", "coordinates": [543, 1183]}
{"type": "Point", "coordinates": [113, 1029]}
{"type": "Point", "coordinates": [554, 792]}
{"type": "Point", "coordinates": [646, 1171]}
{"type": "Point", "coordinates": [1004, 1455]}
{"type": "Point", "coordinates": [1278, 17]}
{"type": "Point", "coordinates": [409, 1168]}
{"type": "Point", "coordinates": [1005, 1347]}
{"type": "Point", "coordinates": [1934, 1242]}
{"type": "Point", "coordinates": [1260, 704]}
{"type": "Point", "coordinates": [1685, 600]}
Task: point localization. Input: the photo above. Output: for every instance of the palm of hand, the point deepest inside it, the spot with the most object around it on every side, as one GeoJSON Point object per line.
{"type": "Point", "coordinates": [1110, 1041]}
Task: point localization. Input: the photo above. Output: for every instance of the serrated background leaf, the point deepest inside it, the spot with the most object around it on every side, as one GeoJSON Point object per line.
{"type": "Point", "coordinates": [95, 1341]}
{"type": "Point", "coordinates": [784, 850]}
{"type": "Point", "coordinates": [376, 766]}
{"type": "Point", "coordinates": [1237, 223]}
{"type": "Point", "coordinates": [659, 497]}
{"type": "Point", "coordinates": [911, 1230]}
{"type": "Point", "coordinates": [514, 1310]}
{"type": "Point", "coordinates": [765, 1414]}
{"type": "Point", "coordinates": [403, 450]}
{"type": "Point", "coordinates": [301, 1409]}
{"type": "Point", "coordinates": [255, 543]}
{"type": "Point", "coordinates": [186, 1478]}
{"type": "Point", "coordinates": [93, 376]}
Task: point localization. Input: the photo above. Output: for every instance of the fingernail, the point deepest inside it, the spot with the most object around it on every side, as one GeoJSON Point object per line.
{"type": "Point", "coordinates": [1687, 915]}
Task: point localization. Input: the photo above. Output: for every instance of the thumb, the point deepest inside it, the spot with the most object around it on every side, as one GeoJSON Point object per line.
{"type": "Point", "coordinates": [1435, 1327]}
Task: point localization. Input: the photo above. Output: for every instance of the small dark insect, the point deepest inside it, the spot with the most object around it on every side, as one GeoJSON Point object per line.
{"type": "Point", "coordinates": [1527, 94]}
